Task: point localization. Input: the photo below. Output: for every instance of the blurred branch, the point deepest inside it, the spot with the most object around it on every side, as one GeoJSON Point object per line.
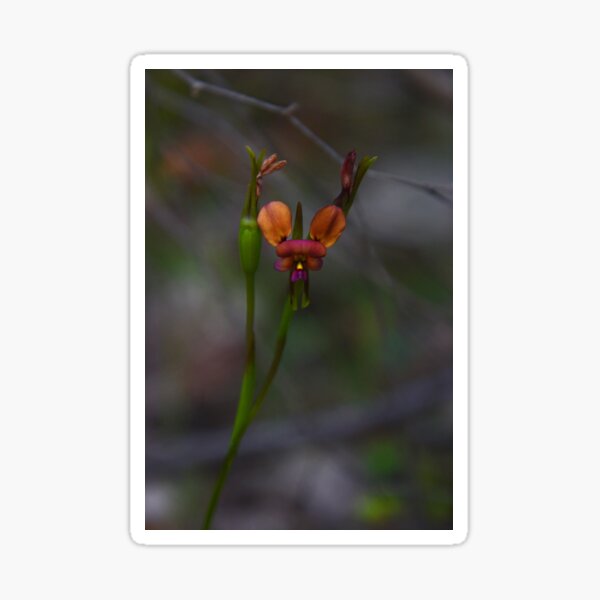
{"type": "Point", "coordinates": [166, 219]}
{"type": "Point", "coordinates": [181, 234]}
{"type": "Point", "coordinates": [409, 400]}
{"type": "Point", "coordinates": [442, 193]}
{"type": "Point", "coordinates": [199, 115]}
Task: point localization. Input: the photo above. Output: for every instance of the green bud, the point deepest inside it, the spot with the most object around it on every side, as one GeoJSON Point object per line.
{"type": "Point", "coordinates": [249, 241]}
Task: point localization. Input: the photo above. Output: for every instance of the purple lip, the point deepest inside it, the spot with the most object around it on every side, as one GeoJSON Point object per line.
{"type": "Point", "coordinates": [298, 274]}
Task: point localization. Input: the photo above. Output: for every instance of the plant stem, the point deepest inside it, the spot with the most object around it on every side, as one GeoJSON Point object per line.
{"type": "Point", "coordinates": [284, 323]}
{"type": "Point", "coordinates": [242, 423]}
{"type": "Point", "coordinates": [248, 380]}
{"type": "Point", "coordinates": [244, 402]}
{"type": "Point", "coordinates": [225, 468]}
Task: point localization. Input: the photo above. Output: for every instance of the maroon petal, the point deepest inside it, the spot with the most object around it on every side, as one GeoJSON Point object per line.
{"type": "Point", "coordinates": [314, 264]}
{"type": "Point", "coordinates": [301, 248]}
{"type": "Point", "coordinates": [284, 264]}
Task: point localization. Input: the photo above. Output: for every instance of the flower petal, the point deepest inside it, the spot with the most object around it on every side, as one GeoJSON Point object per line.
{"type": "Point", "coordinates": [327, 225]}
{"type": "Point", "coordinates": [275, 222]}
{"type": "Point", "coordinates": [284, 264]}
{"type": "Point", "coordinates": [301, 248]}
{"type": "Point", "coordinates": [314, 264]}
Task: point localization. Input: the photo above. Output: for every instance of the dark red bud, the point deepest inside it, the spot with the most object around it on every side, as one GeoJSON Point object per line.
{"type": "Point", "coordinates": [347, 171]}
{"type": "Point", "coordinates": [273, 167]}
{"type": "Point", "coordinates": [268, 162]}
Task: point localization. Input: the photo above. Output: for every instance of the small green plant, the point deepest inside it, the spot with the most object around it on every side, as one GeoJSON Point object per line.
{"type": "Point", "coordinates": [296, 254]}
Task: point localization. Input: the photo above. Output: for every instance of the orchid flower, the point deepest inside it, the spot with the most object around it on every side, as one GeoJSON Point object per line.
{"type": "Point", "coordinates": [297, 255]}
{"type": "Point", "coordinates": [300, 255]}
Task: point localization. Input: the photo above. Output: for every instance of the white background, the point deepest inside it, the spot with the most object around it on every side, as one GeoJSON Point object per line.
{"type": "Point", "coordinates": [535, 391]}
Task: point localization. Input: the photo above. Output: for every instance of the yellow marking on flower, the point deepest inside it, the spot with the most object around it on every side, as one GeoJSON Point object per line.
{"type": "Point", "coordinates": [299, 266]}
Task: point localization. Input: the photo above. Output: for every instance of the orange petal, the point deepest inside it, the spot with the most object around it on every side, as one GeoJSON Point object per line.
{"type": "Point", "coordinates": [275, 222]}
{"type": "Point", "coordinates": [327, 225]}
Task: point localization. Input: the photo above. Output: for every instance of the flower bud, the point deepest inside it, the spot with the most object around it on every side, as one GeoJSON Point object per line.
{"type": "Point", "coordinates": [249, 242]}
{"type": "Point", "coordinates": [273, 167]}
{"type": "Point", "coordinates": [267, 163]}
{"type": "Point", "coordinates": [347, 179]}
{"type": "Point", "coordinates": [347, 171]}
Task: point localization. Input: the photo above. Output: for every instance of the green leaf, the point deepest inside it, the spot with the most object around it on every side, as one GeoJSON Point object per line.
{"type": "Point", "coordinates": [296, 291]}
{"type": "Point", "coordinates": [298, 226]}
{"type": "Point", "coordinates": [363, 166]}
{"type": "Point", "coordinates": [259, 160]}
{"type": "Point", "coordinates": [250, 208]}
{"type": "Point", "coordinates": [251, 155]}
{"type": "Point", "coordinates": [305, 296]}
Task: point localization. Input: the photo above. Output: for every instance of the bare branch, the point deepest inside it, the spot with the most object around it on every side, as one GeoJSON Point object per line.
{"type": "Point", "coordinates": [442, 193]}
{"type": "Point", "coordinates": [400, 406]}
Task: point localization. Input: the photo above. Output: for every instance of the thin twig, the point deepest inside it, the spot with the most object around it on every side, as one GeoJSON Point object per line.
{"type": "Point", "coordinates": [442, 193]}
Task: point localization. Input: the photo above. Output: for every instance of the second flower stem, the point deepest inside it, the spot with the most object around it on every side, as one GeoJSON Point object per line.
{"type": "Point", "coordinates": [284, 323]}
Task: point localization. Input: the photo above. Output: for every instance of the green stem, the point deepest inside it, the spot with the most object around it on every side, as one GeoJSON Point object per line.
{"type": "Point", "coordinates": [241, 426]}
{"type": "Point", "coordinates": [248, 380]}
{"type": "Point", "coordinates": [250, 316]}
{"type": "Point", "coordinates": [284, 323]}
{"type": "Point", "coordinates": [225, 468]}
{"type": "Point", "coordinates": [244, 403]}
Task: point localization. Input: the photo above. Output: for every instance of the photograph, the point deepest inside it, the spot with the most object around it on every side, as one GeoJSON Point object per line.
{"type": "Point", "coordinates": [300, 301]}
{"type": "Point", "coordinates": [297, 272]}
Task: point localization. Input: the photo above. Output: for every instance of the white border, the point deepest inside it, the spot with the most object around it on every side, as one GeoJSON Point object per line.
{"type": "Point", "coordinates": [460, 299]}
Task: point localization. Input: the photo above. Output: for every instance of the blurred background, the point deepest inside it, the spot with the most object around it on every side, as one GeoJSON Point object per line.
{"type": "Point", "coordinates": [356, 432]}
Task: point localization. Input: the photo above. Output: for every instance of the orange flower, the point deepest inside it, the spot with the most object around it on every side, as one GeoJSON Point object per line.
{"type": "Point", "coordinates": [298, 255]}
